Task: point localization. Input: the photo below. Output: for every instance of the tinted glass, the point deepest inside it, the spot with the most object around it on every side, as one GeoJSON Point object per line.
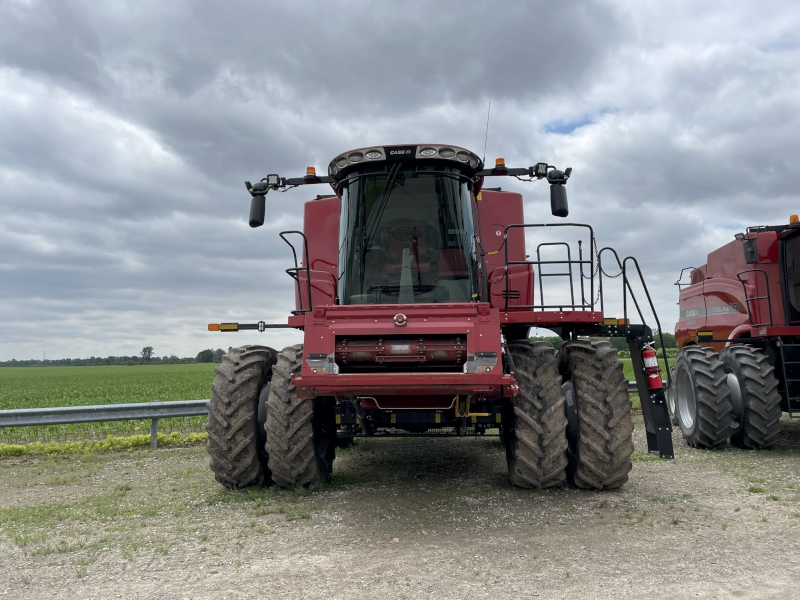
{"type": "Point", "coordinates": [407, 237]}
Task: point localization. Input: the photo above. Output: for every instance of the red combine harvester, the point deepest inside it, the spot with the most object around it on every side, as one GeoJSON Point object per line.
{"type": "Point", "coordinates": [416, 296]}
{"type": "Point", "coordinates": [738, 366]}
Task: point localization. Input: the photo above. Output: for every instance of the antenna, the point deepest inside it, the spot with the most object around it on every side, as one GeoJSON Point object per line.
{"type": "Point", "coordinates": [486, 139]}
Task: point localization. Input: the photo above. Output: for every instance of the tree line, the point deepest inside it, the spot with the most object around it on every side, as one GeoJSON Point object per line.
{"type": "Point", "coordinates": [145, 357]}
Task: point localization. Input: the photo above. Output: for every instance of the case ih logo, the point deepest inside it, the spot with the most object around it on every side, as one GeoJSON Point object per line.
{"type": "Point", "coordinates": [401, 153]}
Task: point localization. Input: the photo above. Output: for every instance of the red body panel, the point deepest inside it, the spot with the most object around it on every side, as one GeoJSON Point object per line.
{"type": "Point", "coordinates": [717, 300]}
{"type": "Point", "coordinates": [334, 332]}
{"type": "Point", "coordinates": [477, 323]}
{"type": "Point", "coordinates": [498, 210]}
{"type": "Point", "coordinates": [321, 227]}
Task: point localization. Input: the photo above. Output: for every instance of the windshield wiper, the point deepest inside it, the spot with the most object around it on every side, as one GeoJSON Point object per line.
{"type": "Point", "coordinates": [368, 230]}
{"type": "Point", "coordinates": [382, 201]}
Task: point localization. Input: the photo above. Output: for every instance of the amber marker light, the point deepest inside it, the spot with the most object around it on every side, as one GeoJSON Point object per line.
{"type": "Point", "coordinates": [500, 163]}
{"type": "Point", "coordinates": [213, 326]}
{"type": "Point", "coordinates": [311, 171]}
{"type": "Point", "coordinates": [794, 219]}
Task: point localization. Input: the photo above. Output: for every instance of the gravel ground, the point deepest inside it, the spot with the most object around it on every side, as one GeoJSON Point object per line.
{"type": "Point", "coordinates": [402, 518]}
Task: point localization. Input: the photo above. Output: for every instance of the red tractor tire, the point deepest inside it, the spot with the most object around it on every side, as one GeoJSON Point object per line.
{"type": "Point", "coordinates": [754, 388]}
{"type": "Point", "coordinates": [601, 441]}
{"type": "Point", "coordinates": [702, 397]}
{"type": "Point", "coordinates": [236, 438]}
{"type": "Point", "coordinates": [536, 440]}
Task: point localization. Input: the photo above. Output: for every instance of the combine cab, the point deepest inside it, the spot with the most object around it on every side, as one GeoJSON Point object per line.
{"type": "Point", "coordinates": [739, 334]}
{"type": "Point", "coordinates": [416, 295]}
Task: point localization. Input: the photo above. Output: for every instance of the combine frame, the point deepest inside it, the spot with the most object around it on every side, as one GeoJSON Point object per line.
{"type": "Point", "coordinates": [443, 346]}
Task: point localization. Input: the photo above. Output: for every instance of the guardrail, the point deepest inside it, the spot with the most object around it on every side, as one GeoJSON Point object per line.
{"type": "Point", "coordinates": [64, 415]}
{"type": "Point", "coordinates": [153, 411]}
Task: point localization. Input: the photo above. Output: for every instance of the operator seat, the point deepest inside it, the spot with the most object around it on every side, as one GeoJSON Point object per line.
{"type": "Point", "coordinates": [413, 238]}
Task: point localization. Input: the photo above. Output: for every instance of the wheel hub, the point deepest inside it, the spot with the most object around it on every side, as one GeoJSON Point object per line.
{"type": "Point", "coordinates": [736, 400]}
{"type": "Point", "coordinates": [686, 404]}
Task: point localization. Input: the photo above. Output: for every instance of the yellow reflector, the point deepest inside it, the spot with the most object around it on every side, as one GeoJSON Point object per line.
{"type": "Point", "coordinates": [213, 326]}
{"type": "Point", "coordinates": [794, 219]}
{"type": "Point", "coordinates": [311, 171]}
{"type": "Point", "coordinates": [705, 334]}
{"type": "Point", "coordinates": [229, 327]}
{"type": "Point", "coordinates": [500, 162]}
{"type": "Point", "coordinates": [609, 321]}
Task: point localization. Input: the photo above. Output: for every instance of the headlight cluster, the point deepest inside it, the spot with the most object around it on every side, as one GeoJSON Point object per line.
{"type": "Point", "coordinates": [449, 153]}
{"type": "Point", "coordinates": [394, 153]}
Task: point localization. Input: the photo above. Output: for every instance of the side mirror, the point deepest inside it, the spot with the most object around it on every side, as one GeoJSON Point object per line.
{"type": "Point", "coordinates": [558, 200]}
{"type": "Point", "coordinates": [258, 206]}
{"type": "Point", "coordinates": [750, 251]}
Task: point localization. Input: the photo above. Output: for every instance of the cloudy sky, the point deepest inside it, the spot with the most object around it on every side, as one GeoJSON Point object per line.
{"type": "Point", "coordinates": [127, 129]}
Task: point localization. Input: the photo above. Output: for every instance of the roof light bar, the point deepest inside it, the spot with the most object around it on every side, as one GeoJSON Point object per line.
{"type": "Point", "coordinates": [458, 156]}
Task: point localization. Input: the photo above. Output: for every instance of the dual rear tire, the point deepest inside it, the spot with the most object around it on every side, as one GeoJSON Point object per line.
{"type": "Point", "coordinates": [259, 431]}
{"type": "Point", "coordinates": [571, 421]}
{"type": "Point", "coordinates": [236, 436]}
{"type": "Point", "coordinates": [732, 395]}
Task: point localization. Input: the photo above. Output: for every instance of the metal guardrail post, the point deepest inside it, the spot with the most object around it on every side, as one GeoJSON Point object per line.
{"type": "Point", "coordinates": [154, 431]}
{"type": "Point", "coordinates": [153, 434]}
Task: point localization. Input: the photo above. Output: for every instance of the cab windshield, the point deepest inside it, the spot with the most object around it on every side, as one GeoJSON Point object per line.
{"type": "Point", "coordinates": [791, 262]}
{"type": "Point", "coordinates": [406, 236]}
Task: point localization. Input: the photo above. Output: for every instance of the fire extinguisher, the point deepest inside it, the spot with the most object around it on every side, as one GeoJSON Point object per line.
{"type": "Point", "coordinates": [651, 369]}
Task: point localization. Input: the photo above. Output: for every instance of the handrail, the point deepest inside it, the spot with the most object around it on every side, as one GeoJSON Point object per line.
{"type": "Point", "coordinates": [573, 306]}
{"type": "Point", "coordinates": [678, 283]}
{"type": "Point", "coordinates": [627, 289]}
{"type": "Point", "coordinates": [294, 273]}
{"type": "Point", "coordinates": [748, 300]}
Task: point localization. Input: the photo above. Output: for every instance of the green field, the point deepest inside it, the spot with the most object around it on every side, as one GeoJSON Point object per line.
{"type": "Point", "coordinates": [39, 387]}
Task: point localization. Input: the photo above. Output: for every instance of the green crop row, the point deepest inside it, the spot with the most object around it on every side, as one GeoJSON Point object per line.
{"type": "Point", "coordinates": [42, 387]}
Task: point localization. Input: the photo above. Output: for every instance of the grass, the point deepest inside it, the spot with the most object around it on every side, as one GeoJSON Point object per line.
{"type": "Point", "coordinates": [42, 387]}
{"type": "Point", "coordinates": [110, 444]}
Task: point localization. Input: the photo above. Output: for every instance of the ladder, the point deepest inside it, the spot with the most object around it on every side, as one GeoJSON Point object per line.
{"type": "Point", "coordinates": [790, 359]}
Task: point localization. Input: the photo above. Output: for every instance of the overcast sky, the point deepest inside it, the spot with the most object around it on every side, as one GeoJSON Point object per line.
{"type": "Point", "coordinates": [127, 129]}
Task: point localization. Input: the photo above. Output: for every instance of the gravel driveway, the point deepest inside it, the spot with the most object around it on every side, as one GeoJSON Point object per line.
{"type": "Point", "coordinates": [402, 518]}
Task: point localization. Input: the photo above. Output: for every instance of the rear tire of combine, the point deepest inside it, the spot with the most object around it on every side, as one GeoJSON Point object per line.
{"type": "Point", "coordinates": [235, 436]}
{"type": "Point", "coordinates": [535, 439]}
{"type": "Point", "coordinates": [754, 387]}
{"type": "Point", "coordinates": [672, 406]}
{"type": "Point", "coordinates": [702, 397]}
{"type": "Point", "coordinates": [601, 448]}
{"type": "Point", "coordinates": [301, 435]}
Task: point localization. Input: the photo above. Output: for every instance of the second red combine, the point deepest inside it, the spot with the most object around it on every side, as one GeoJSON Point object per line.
{"type": "Point", "coordinates": [739, 333]}
{"type": "Point", "coordinates": [416, 295]}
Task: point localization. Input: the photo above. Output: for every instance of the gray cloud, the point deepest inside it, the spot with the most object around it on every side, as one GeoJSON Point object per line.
{"type": "Point", "coordinates": [126, 131]}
